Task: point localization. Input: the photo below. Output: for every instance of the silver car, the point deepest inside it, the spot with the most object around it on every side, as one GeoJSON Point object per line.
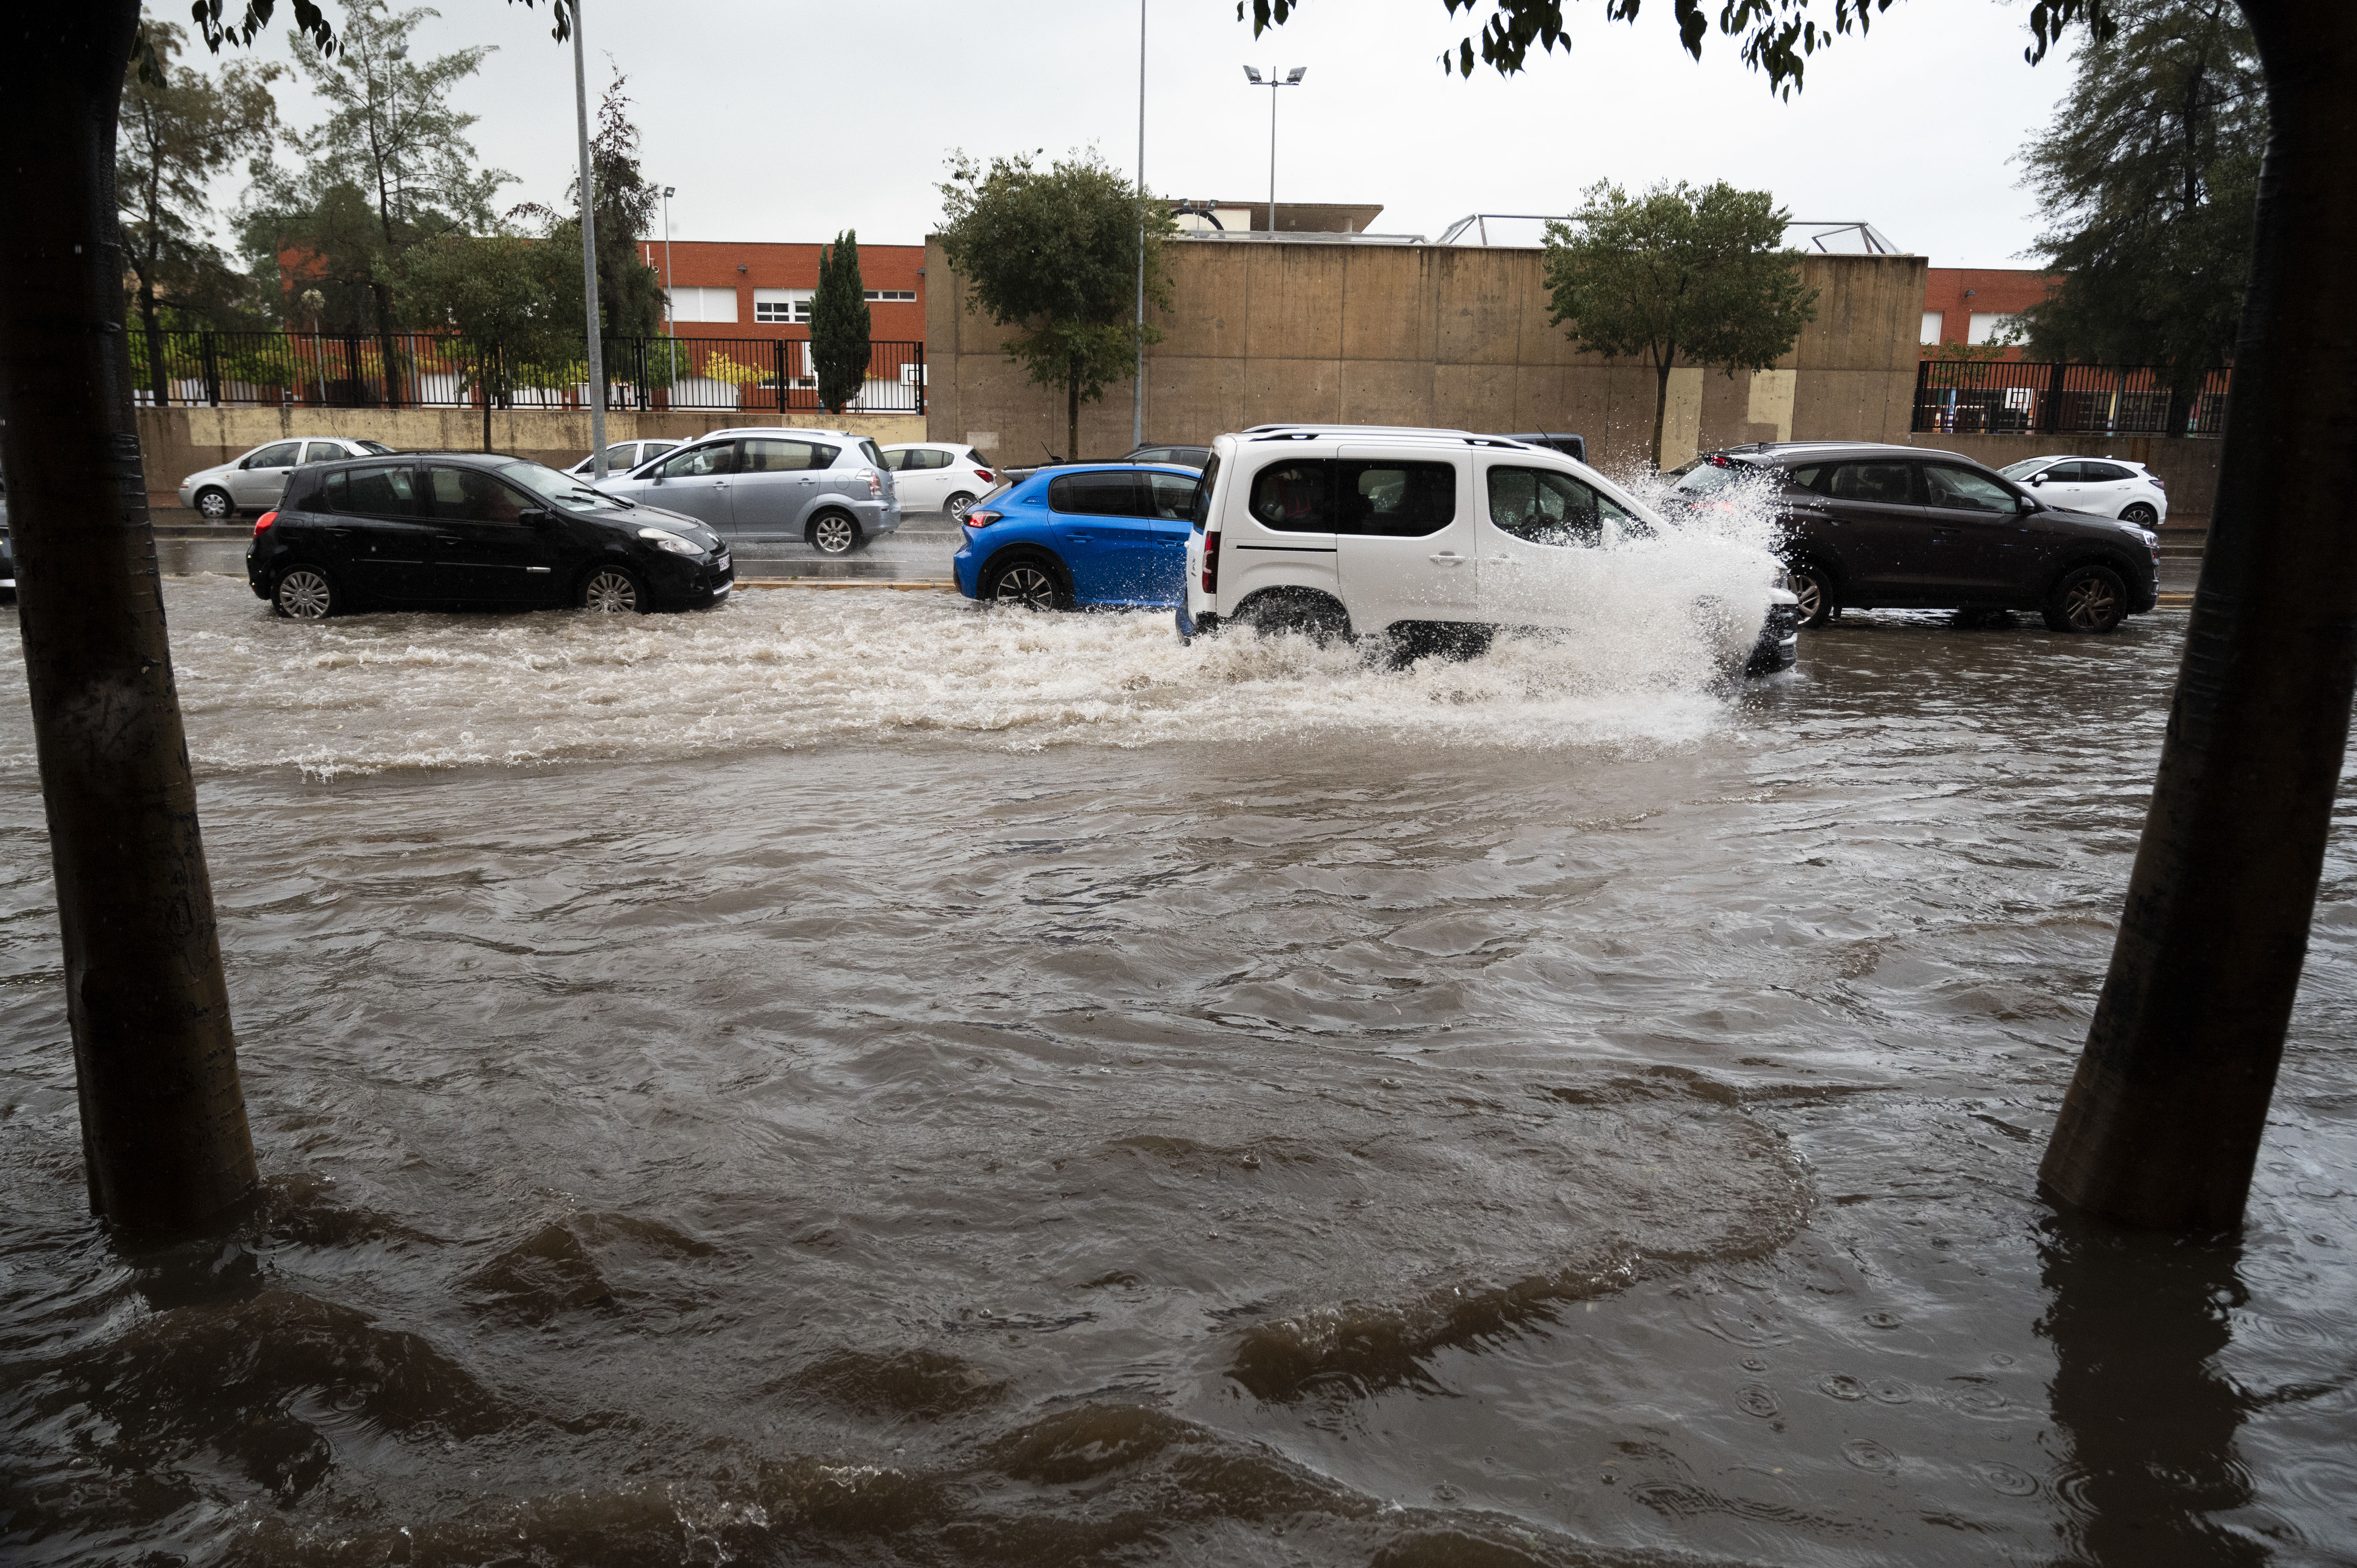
{"type": "Point", "coordinates": [621, 458]}
{"type": "Point", "coordinates": [255, 481]}
{"type": "Point", "coordinates": [828, 489]}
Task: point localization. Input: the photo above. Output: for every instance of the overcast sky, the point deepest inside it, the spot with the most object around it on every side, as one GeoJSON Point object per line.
{"type": "Point", "coordinates": [787, 120]}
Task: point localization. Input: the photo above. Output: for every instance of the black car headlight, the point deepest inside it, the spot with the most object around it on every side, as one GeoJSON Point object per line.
{"type": "Point", "coordinates": [663, 539]}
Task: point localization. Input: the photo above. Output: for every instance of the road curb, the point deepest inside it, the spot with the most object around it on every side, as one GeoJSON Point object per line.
{"type": "Point", "coordinates": [904, 585]}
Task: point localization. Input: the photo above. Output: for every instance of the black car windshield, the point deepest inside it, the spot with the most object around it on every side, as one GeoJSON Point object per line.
{"type": "Point", "coordinates": [1704, 475]}
{"type": "Point", "coordinates": [560, 489]}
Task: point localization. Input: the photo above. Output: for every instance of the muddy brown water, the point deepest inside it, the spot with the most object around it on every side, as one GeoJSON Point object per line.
{"type": "Point", "coordinates": [849, 1078]}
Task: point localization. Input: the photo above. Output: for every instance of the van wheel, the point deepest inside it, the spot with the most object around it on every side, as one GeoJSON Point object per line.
{"type": "Point", "coordinates": [303, 593]}
{"type": "Point", "coordinates": [1313, 615]}
{"type": "Point", "coordinates": [2087, 598]}
{"type": "Point", "coordinates": [1814, 588]}
{"type": "Point", "coordinates": [214, 506]}
{"type": "Point", "coordinates": [832, 533]}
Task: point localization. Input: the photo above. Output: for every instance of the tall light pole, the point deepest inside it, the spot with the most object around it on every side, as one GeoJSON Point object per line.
{"type": "Point", "coordinates": [669, 329]}
{"type": "Point", "coordinates": [1137, 388]}
{"type": "Point", "coordinates": [589, 262]}
{"type": "Point", "coordinates": [1292, 79]}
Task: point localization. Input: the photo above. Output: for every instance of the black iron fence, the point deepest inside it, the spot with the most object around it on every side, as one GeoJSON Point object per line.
{"type": "Point", "coordinates": [1996, 397]}
{"type": "Point", "coordinates": [417, 369]}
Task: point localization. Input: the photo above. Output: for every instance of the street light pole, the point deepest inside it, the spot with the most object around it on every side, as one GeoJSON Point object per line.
{"type": "Point", "coordinates": [1137, 388]}
{"type": "Point", "coordinates": [589, 262]}
{"type": "Point", "coordinates": [669, 329]}
{"type": "Point", "coordinates": [1291, 79]}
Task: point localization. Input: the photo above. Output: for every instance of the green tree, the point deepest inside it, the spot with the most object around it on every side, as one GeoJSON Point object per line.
{"type": "Point", "coordinates": [2162, 1123]}
{"type": "Point", "coordinates": [515, 299]}
{"type": "Point", "coordinates": [1054, 252]}
{"type": "Point", "coordinates": [629, 291]}
{"type": "Point", "coordinates": [839, 324]}
{"type": "Point", "coordinates": [1678, 275]}
{"type": "Point", "coordinates": [2148, 182]}
{"type": "Point", "coordinates": [176, 134]}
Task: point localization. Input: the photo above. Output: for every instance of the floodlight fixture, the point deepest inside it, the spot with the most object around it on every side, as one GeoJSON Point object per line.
{"type": "Point", "coordinates": [1273, 81]}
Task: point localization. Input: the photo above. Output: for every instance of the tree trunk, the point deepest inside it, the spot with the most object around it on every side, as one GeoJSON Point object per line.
{"type": "Point", "coordinates": [1661, 403]}
{"type": "Point", "coordinates": [2162, 1123]}
{"type": "Point", "coordinates": [1072, 420]}
{"type": "Point", "coordinates": [158, 387]}
{"type": "Point", "coordinates": [390, 395]}
{"type": "Point", "coordinates": [163, 1120]}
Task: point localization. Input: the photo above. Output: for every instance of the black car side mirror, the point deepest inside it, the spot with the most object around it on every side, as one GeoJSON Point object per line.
{"type": "Point", "coordinates": [2025, 503]}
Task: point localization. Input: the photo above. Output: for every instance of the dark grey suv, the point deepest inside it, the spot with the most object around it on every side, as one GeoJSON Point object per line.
{"type": "Point", "coordinates": [1870, 525]}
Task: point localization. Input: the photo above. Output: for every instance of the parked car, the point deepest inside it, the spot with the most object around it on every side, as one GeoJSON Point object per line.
{"type": "Point", "coordinates": [255, 481]}
{"type": "Point", "coordinates": [828, 489]}
{"type": "Point", "coordinates": [1091, 533]}
{"type": "Point", "coordinates": [1572, 446]}
{"type": "Point", "coordinates": [937, 476]}
{"type": "Point", "coordinates": [448, 529]}
{"type": "Point", "coordinates": [622, 457]}
{"type": "Point", "coordinates": [2108, 487]}
{"type": "Point", "coordinates": [1867, 524]}
{"type": "Point", "coordinates": [1185, 457]}
{"type": "Point", "coordinates": [1432, 538]}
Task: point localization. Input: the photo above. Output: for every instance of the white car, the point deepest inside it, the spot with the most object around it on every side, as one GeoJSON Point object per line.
{"type": "Point", "coordinates": [622, 457]}
{"type": "Point", "coordinates": [939, 475]}
{"type": "Point", "coordinates": [2107, 486]}
{"type": "Point", "coordinates": [255, 482]}
{"type": "Point", "coordinates": [1437, 538]}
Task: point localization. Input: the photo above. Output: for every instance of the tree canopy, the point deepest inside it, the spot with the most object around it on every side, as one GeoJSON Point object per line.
{"type": "Point", "coordinates": [629, 291]}
{"type": "Point", "coordinates": [839, 324]}
{"type": "Point", "coordinates": [1678, 275]}
{"type": "Point", "coordinates": [1055, 251]}
{"type": "Point", "coordinates": [2149, 181]}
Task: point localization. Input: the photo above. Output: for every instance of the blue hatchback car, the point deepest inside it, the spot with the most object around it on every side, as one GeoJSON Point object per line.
{"type": "Point", "coordinates": [1112, 534]}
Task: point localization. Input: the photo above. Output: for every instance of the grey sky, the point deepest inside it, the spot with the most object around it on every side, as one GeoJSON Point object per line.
{"type": "Point", "coordinates": [787, 120]}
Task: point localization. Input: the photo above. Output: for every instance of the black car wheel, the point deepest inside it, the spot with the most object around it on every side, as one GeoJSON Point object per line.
{"type": "Point", "coordinates": [1813, 588]}
{"type": "Point", "coordinates": [2141, 515]}
{"type": "Point", "coordinates": [2087, 598]}
{"type": "Point", "coordinates": [956, 506]}
{"type": "Point", "coordinates": [305, 592]}
{"type": "Point", "coordinates": [1025, 583]}
{"type": "Point", "coordinates": [214, 506]}
{"type": "Point", "coordinates": [611, 591]}
{"type": "Point", "coordinates": [832, 533]}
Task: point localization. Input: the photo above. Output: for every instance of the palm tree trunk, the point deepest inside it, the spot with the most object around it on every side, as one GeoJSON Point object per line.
{"type": "Point", "coordinates": [163, 1118]}
{"type": "Point", "coordinates": [2162, 1123]}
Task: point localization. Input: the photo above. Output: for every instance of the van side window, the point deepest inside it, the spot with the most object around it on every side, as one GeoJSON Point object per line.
{"type": "Point", "coordinates": [1402, 500]}
{"type": "Point", "coordinates": [1545, 506]}
{"type": "Point", "coordinates": [1294, 495]}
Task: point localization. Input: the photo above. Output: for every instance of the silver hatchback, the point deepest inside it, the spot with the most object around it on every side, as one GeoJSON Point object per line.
{"type": "Point", "coordinates": [827, 488]}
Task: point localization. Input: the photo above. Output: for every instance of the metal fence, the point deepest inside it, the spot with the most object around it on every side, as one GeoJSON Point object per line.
{"type": "Point", "coordinates": [1996, 397]}
{"type": "Point", "coordinates": [417, 369]}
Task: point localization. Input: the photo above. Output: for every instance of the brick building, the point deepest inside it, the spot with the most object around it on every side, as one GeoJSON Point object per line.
{"type": "Point", "coordinates": [1965, 305]}
{"type": "Point", "coordinates": [730, 288]}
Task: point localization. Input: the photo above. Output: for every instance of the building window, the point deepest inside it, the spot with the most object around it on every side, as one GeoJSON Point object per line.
{"type": "Point", "coordinates": [1932, 320]}
{"type": "Point", "coordinates": [704, 305]}
{"type": "Point", "coordinates": [896, 295]}
{"type": "Point", "coordinates": [1995, 326]}
{"type": "Point", "coordinates": [783, 306]}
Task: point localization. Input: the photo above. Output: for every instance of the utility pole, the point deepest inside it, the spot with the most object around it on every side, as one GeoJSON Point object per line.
{"type": "Point", "coordinates": [669, 329]}
{"type": "Point", "coordinates": [1137, 388]}
{"type": "Point", "coordinates": [589, 262]}
{"type": "Point", "coordinates": [1292, 79]}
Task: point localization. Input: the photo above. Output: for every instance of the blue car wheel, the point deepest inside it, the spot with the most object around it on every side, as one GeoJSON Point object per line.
{"type": "Point", "coordinates": [1025, 581]}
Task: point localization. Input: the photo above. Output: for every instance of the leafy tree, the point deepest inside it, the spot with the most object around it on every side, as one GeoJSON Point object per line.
{"type": "Point", "coordinates": [629, 291]}
{"type": "Point", "coordinates": [1054, 251]}
{"type": "Point", "coordinates": [839, 324]}
{"type": "Point", "coordinates": [177, 133]}
{"type": "Point", "coordinates": [2149, 180]}
{"type": "Point", "coordinates": [1679, 276]}
{"type": "Point", "coordinates": [515, 299]}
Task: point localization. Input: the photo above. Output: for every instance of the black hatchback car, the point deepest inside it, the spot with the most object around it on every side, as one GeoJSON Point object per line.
{"type": "Point", "coordinates": [1870, 525]}
{"type": "Point", "coordinates": [454, 530]}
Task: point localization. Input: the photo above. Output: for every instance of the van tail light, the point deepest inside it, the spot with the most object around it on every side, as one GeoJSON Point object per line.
{"type": "Point", "coordinates": [974, 518]}
{"type": "Point", "coordinates": [986, 475]}
{"type": "Point", "coordinates": [1211, 563]}
{"type": "Point", "coordinates": [262, 525]}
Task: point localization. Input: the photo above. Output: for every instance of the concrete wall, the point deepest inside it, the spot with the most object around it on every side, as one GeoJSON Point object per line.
{"type": "Point", "coordinates": [2187, 467]}
{"type": "Point", "coordinates": [175, 442]}
{"type": "Point", "coordinates": [1455, 337]}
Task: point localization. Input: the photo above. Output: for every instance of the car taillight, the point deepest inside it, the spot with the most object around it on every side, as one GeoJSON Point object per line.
{"type": "Point", "coordinates": [261, 523]}
{"type": "Point", "coordinates": [2157, 482]}
{"type": "Point", "coordinates": [986, 475]}
{"type": "Point", "coordinates": [875, 484]}
{"type": "Point", "coordinates": [981, 518]}
{"type": "Point", "coordinates": [1211, 563]}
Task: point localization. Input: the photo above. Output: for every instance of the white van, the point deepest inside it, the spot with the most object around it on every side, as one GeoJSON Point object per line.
{"type": "Point", "coordinates": [1438, 537]}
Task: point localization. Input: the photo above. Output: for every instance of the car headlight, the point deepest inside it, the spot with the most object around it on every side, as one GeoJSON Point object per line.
{"type": "Point", "coordinates": [663, 539]}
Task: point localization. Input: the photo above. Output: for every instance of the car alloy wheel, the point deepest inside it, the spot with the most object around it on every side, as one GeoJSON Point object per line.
{"type": "Point", "coordinates": [304, 595]}
{"type": "Point", "coordinates": [1809, 589]}
{"type": "Point", "coordinates": [1026, 586]}
{"type": "Point", "coordinates": [957, 506]}
{"type": "Point", "coordinates": [834, 534]}
{"type": "Point", "coordinates": [2141, 515]}
{"type": "Point", "coordinates": [2090, 599]}
{"type": "Point", "coordinates": [213, 505]}
{"type": "Point", "coordinates": [611, 591]}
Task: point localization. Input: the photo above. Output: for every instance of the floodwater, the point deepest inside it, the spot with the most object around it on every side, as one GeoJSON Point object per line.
{"type": "Point", "coordinates": [849, 1077]}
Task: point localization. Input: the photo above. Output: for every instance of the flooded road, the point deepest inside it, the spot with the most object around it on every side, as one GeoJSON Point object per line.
{"type": "Point", "coordinates": [848, 1078]}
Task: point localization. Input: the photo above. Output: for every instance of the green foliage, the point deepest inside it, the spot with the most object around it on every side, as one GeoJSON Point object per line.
{"type": "Point", "coordinates": [1774, 37]}
{"type": "Point", "coordinates": [839, 324]}
{"type": "Point", "coordinates": [629, 291]}
{"type": "Point", "coordinates": [1055, 252]}
{"type": "Point", "coordinates": [516, 293]}
{"type": "Point", "coordinates": [2148, 182]}
{"type": "Point", "coordinates": [1679, 276]}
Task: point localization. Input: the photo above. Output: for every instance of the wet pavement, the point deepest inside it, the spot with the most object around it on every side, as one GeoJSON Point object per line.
{"type": "Point", "coordinates": [854, 1077]}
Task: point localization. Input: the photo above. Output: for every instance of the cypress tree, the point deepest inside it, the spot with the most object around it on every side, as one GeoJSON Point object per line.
{"type": "Point", "coordinates": [839, 324]}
